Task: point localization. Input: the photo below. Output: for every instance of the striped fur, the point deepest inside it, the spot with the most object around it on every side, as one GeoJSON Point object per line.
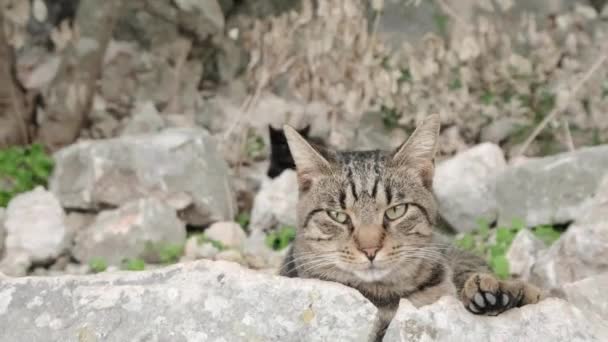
{"type": "Point", "coordinates": [384, 257]}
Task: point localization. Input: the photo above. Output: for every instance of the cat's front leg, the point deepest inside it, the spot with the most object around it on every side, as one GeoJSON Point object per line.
{"type": "Point", "coordinates": [484, 294]}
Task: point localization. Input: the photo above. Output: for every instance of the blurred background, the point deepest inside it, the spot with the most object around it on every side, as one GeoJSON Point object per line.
{"type": "Point", "coordinates": [134, 134]}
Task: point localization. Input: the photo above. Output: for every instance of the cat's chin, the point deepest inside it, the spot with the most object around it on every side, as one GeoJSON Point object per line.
{"type": "Point", "coordinates": [371, 275]}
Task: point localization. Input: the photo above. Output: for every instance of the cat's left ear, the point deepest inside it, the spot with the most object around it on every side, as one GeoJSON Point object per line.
{"type": "Point", "coordinates": [419, 150]}
{"type": "Point", "coordinates": [309, 161]}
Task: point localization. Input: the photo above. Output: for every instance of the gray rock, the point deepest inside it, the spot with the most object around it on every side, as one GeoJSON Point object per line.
{"type": "Point", "coordinates": [75, 222]}
{"type": "Point", "coordinates": [447, 320]}
{"type": "Point", "coordinates": [139, 229]}
{"type": "Point", "coordinates": [15, 264]}
{"type": "Point", "coordinates": [523, 253]}
{"type": "Point", "coordinates": [230, 234]}
{"type": "Point", "coordinates": [2, 232]}
{"type": "Point", "coordinates": [551, 190]}
{"type": "Point", "coordinates": [196, 249]}
{"type": "Point", "coordinates": [589, 294]}
{"type": "Point", "coordinates": [259, 256]}
{"type": "Point", "coordinates": [97, 174]}
{"type": "Point", "coordinates": [499, 130]}
{"type": "Point", "coordinates": [198, 301]}
{"type": "Point", "coordinates": [231, 255]}
{"type": "Point", "coordinates": [464, 186]}
{"type": "Point", "coordinates": [145, 119]}
{"type": "Point", "coordinates": [402, 21]}
{"type": "Point", "coordinates": [581, 251]}
{"type": "Point", "coordinates": [371, 133]}
{"type": "Point", "coordinates": [203, 17]}
{"type": "Point", "coordinates": [35, 225]}
{"type": "Point", "coordinates": [275, 203]}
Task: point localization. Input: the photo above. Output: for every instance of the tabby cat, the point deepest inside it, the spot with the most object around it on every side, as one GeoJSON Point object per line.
{"type": "Point", "coordinates": [366, 218]}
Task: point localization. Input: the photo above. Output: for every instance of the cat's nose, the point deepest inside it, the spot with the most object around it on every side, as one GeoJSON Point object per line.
{"type": "Point", "coordinates": [370, 252]}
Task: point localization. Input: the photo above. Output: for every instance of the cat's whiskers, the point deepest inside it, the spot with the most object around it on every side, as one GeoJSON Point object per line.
{"type": "Point", "coordinates": [298, 261]}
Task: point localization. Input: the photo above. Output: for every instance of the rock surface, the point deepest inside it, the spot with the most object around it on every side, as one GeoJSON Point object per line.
{"type": "Point", "coordinates": [530, 191]}
{"type": "Point", "coordinates": [95, 174]}
{"type": "Point", "coordinates": [196, 249]}
{"type": "Point", "coordinates": [464, 186]}
{"type": "Point", "coordinates": [523, 253]}
{"type": "Point", "coordinates": [447, 320]}
{"type": "Point", "coordinates": [199, 301]}
{"type": "Point", "coordinates": [35, 225]}
{"type": "Point", "coordinates": [139, 229]}
{"type": "Point", "coordinates": [230, 234]}
{"type": "Point", "coordinates": [589, 294]}
{"type": "Point", "coordinates": [275, 203]}
{"type": "Point", "coordinates": [145, 120]}
{"type": "Point", "coordinates": [581, 251]}
{"type": "Point", "coordinates": [2, 232]}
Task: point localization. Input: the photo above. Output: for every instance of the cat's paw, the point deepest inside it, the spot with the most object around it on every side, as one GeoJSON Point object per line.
{"type": "Point", "coordinates": [484, 294]}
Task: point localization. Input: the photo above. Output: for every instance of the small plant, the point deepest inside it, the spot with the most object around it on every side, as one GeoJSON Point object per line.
{"type": "Point", "coordinates": [135, 264]}
{"type": "Point", "coordinates": [243, 219]}
{"type": "Point", "coordinates": [546, 234]}
{"type": "Point", "coordinates": [98, 265]}
{"type": "Point", "coordinates": [405, 77]}
{"type": "Point", "coordinates": [487, 98]}
{"type": "Point", "coordinates": [22, 169]}
{"type": "Point", "coordinates": [390, 117]}
{"type": "Point", "coordinates": [170, 254]}
{"type": "Point", "coordinates": [255, 146]}
{"type": "Point", "coordinates": [202, 239]}
{"type": "Point", "coordinates": [280, 239]}
{"type": "Point", "coordinates": [494, 250]}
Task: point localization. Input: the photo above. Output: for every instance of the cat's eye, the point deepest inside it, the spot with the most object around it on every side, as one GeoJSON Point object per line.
{"type": "Point", "coordinates": [395, 212]}
{"type": "Point", "coordinates": [338, 216]}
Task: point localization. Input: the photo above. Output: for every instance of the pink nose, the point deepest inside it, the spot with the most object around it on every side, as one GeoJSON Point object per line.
{"type": "Point", "coordinates": [370, 252]}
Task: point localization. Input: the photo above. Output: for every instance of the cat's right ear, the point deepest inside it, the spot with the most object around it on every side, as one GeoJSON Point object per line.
{"type": "Point", "coordinates": [309, 162]}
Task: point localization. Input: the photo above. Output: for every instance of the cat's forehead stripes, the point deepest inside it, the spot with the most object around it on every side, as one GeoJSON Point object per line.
{"type": "Point", "coordinates": [363, 171]}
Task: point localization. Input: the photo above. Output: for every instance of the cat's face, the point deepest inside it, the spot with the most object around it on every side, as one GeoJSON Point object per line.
{"type": "Point", "coordinates": [363, 215]}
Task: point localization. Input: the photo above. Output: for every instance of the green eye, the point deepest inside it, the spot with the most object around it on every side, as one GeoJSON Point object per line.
{"type": "Point", "coordinates": [337, 216]}
{"type": "Point", "coordinates": [395, 212]}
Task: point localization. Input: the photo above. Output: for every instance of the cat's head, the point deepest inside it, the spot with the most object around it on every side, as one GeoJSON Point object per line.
{"type": "Point", "coordinates": [364, 215]}
{"type": "Point", "coordinates": [280, 156]}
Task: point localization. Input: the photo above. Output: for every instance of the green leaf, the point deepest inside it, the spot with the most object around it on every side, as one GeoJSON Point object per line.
{"type": "Point", "coordinates": [390, 117]}
{"type": "Point", "coordinates": [171, 253]}
{"type": "Point", "coordinates": [281, 239]}
{"type": "Point", "coordinates": [500, 266]}
{"type": "Point", "coordinates": [202, 239]}
{"type": "Point", "coordinates": [406, 76]}
{"type": "Point", "coordinates": [487, 97]}
{"type": "Point", "coordinates": [466, 242]}
{"type": "Point", "coordinates": [547, 234]}
{"type": "Point", "coordinates": [133, 264]}
{"type": "Point", "coordinates": [22, 169]}
{"type": "Point", "coordinates": [483, 228]}
{"type": "Point", "coordinates": [504, 235]}
{"type": "Point", "coordinates": [243, 219]}
{"type": "Point", "coordinates": [98, 265]}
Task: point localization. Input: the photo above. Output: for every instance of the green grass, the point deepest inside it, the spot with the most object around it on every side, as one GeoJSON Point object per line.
{"type": "Point", "coordinates": [98, 265]}
{"type": "Point", "coordinates": [170, 254]}
{"type": "Point", "coordinates": [135, 264]}
{"type": "Point", "coordinates": [255, 146]}
{"type": "Point", "coordinates": [202, 239]}
{"type": "Point", "coordinates": [282, 238]}
{"type": "Point", "coordinates": [494, 250]}
{"type": "Point", "coordinates": [390, 117]}
{"type": "Point", "coordinates": [22, 169]}
{"type": "Point", "coordinates": [243, 220]}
